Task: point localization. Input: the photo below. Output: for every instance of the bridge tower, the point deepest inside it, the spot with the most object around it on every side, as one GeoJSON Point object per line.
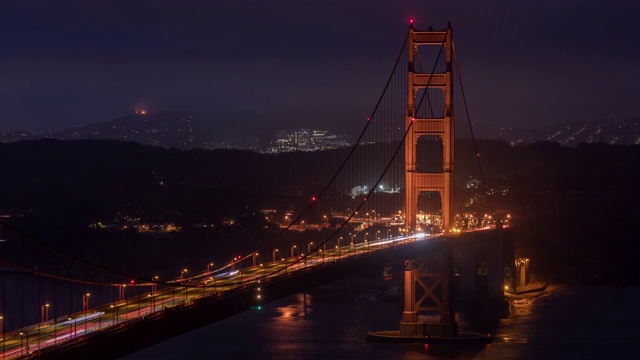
{"type": "Point", "coordinates": [428, 285]}
{"type": "Point", "coordinates": [441, 182]}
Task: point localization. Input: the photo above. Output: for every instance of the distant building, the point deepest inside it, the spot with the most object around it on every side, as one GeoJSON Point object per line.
{"type": "Point", "coordinates": [364, 190]}
{"type": "Point", "coordinates": [472, 183]}
{"type": "Point", "coordinates": [306, 140]}
{"type": "Point", "coordinates": [358, 190]}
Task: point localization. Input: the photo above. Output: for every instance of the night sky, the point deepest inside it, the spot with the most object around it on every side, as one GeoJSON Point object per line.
{"type": "Point", "coordinates": [308, 63]}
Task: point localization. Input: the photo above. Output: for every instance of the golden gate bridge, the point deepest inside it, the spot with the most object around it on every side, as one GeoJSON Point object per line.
{"type": "Point", "coordinates": [54, 303]}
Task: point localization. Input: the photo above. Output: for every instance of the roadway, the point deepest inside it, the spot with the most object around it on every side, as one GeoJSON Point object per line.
{"type": "Point", "coordinates": [182, 292]}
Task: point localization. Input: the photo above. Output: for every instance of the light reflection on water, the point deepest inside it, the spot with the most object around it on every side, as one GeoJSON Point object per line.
{"type": "Point", "coordinates": [331, 322]}
{"type": "Point", "coordinates": [302, 307]}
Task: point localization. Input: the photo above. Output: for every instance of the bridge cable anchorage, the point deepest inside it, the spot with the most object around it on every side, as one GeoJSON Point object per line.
{"type": "Point", "coordinates": [340, 168]}
{"type": "Point", "coordinates": [473, 138]}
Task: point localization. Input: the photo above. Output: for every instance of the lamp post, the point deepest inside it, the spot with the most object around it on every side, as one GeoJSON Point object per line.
{"type": "Point", "coordinates": [73, 323]}
{"type": "Point", "coordinates": [85, 307]}
{"type": "Point", "coordinates": [393, 238]}
{"type": "Point", "coordinates": [2, 333]}
{"type": "Point", "coordinates": [255, 259]}
{"type": "Point", "coordinates": [292, 250]}
{"type": "Point", "coordinates": [209, 265]}
{"type": "Point", "coordinates": [339, 248]}
{"type": "Point", "coordinates": [182, 279]}
{"type": "Point", "coordinates": [115, 314]}
{"type": "Point", "coordinates": [366, 243]}
{"type": "Point", "coordinates": [85, 301]}
{"type": "Point", "coordinates": [309, 247]}
{"type": "Point", "coordinates": [25, 335]}
{"type": "Point", "coordinates": [274, 254]}
{"type": "Point", "coordinates": [153, 290]}
{"type": "Point", "coordinates": [45, 312]}
{"type": "Point", "coordinates": [122, 288]}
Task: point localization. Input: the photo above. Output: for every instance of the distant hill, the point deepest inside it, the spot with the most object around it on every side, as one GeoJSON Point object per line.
{"type": "Point", "coordinates": [574, 208]}
{"type": "Point", "coordinates": [179, 130]}
{"type": "Point", "coordinates": [618, 132]}
{"type": "Point", "coordinates": [185, 131]}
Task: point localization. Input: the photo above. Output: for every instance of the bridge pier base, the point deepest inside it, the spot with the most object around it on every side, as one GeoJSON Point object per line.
{"type": "Point", "coordinates": [428, 329]}
{"type": "Point", "coordinates": [428, 289]}
{"type": "Point", "coordinates": [431, 281]}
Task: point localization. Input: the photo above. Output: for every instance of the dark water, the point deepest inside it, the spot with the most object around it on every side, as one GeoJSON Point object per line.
{"type": "Point", "coordinates": [330, 322]}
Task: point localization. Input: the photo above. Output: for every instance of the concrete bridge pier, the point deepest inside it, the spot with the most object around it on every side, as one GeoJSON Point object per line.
{"type": "Point", "coordinates": [428, 288]}
{"type": "Point", "coordinates": [480, 258]}
{"type": "Point", "coordinates": [481, 265]}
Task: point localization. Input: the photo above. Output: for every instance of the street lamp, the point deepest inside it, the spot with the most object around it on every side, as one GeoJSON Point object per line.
{"type": "Point", "coordinates": [122, 288]}
{"type": "Point", "coordinates": [292, 249]}
{"type": "Point", "coordinates": [26, 335]}
{"type": "Point", "coordinates": [45, 312]}
{"type": "Point", "coordinates": [309, 247]}
{"type": "Point", "coordinates": [2, 327]}
{"type": "Point", "coordinates": [209, 265]}
{"type": "Point", "coordinates": [274, 254]}
{"type": "Point", "coordinates": [85, 301]}
{"type": "Point", "coordinates": [182, 278]}
{"type": "Point", "coordinates": [255, 257]}
{"type": "Point", "coordinates": [153, 289]}
{"type": "Point", "coordinates": [115, 314]}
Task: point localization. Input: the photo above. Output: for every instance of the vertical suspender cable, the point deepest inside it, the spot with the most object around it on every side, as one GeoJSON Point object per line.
{"type": "Point", "coordinates": [473, 138]}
